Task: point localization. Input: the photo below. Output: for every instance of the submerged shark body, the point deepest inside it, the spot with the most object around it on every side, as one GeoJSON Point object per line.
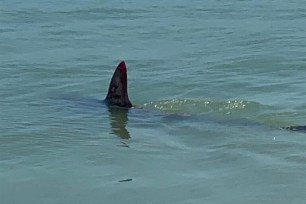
{"type": "Point", "coordinates": [118, 93]}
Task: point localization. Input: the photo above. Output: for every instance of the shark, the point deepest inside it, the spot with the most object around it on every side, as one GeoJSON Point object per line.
{"type": "Point", "coordinates": [117, 95]}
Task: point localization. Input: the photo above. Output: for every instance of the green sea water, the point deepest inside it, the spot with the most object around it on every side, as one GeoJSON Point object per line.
{"type": "Point", "coordinates": [212, 82]}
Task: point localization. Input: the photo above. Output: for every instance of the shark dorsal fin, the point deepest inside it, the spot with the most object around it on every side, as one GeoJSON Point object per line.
{"type": "Point", "coordinates": [117, 91]}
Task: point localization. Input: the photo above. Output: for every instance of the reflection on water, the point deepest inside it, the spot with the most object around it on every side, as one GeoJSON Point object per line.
{"type": "Point", "coordinates": [118, 120]}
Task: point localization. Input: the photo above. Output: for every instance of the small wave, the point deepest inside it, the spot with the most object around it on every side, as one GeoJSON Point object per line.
{"type": "Point", "coordinates": [199, 107]}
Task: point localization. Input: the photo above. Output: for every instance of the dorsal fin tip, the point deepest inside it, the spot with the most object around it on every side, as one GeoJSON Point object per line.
{"type": "Point", "coordinates": [122, 64]}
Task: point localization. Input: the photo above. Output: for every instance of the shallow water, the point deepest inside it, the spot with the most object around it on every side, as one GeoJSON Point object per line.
{"type": "Point", "coordinates": [213, 82]}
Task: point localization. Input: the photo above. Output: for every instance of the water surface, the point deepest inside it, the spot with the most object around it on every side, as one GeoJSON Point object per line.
{"type": "Point", "coordinates": [215, 81]}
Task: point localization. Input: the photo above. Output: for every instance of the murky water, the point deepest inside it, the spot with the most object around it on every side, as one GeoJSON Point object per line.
{"type": "Point", "coordinates": [213, 83]}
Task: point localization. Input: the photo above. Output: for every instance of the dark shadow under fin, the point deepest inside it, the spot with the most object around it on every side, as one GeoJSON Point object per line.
{"type": "Point", "coordinates": [118, 120]}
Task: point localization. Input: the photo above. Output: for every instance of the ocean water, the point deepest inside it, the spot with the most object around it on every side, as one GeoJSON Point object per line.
{"type": "Point", "coordinates": [213, 82]}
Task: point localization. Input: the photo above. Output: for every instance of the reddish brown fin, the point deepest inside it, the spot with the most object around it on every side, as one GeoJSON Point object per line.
{"type": "Point", "coordinates": [117, 91]}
